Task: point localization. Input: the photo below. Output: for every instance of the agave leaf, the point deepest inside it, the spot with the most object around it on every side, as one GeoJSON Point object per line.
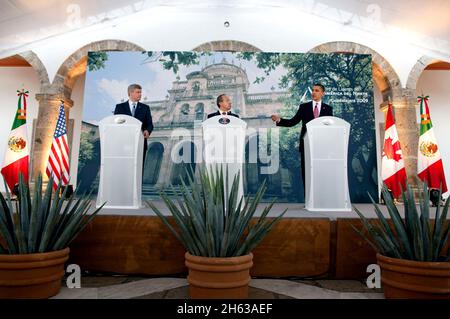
{"type": "Point", "coordinates": [76, 225]}
{"type": "Point", "coordinates": [425, 222]}
{"type": "Point", "coordinates": [383, 241]}
{"type": "Point", "coordinates": [194, 212]}
{"type": "Point", "coordinates": [417, 226]}
{"type": "Point", "coordinates": [51, 220]}
{"type": "Point", "coordinates": [184, 231]}
{"type": "Point", "coordinates": [23, 213]}
{"type": "Point", "coordinates": [367, 238]}
{"type": "Point", "coordinates": [44, 209]}
{"type": "Point", "coordinates": [164, 220]}
{"type": "Point", "coordinates": [67, 215]}
{"type": "Point", "coordinates": [249, 213]}
{"type": "Point", "coordinates": [409, 221]}
{"type": "Point", "coordinates": [436, 229]}
{"type": "Point", "coordinates": [34, 218]}
{"type": "Point", "coordinates": [259, 232]}
{"type": "Point", "coordinates": [73, 219]}
{"type": "Point", "coordinates": [191, 227]}
{"type": "Point", "coordinates": [402, 243]}
{"type": "Point", "coordinates": [8, 235]}
{"type": "Point", "coordinates": [229, 220]}
{"type": "Point", "coordinates": [441, 238]}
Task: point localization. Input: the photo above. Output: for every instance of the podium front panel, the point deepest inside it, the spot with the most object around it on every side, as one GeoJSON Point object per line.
{"type": "Point", "coordinates": [326, 148]}
{"type": "Point", "coordinates": [118, 187]}
{"type": "Point", "coordinates": [121, 147]}
{"type": "Point", "coordinates": [224, 147]}
{"type": "Point", "coordinates": [326, 145]}
{"type": "Point", "coordinates": [329, 194]}
{"type": "Point", "coordinates": [121, 142]}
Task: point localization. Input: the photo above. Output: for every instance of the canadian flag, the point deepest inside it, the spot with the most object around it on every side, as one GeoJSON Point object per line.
{"type": "Point", "coordinates": [393, 170]}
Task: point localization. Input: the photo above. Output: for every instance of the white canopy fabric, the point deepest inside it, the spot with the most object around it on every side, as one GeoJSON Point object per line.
{"type": "Point", "coordinates": [23, 22]}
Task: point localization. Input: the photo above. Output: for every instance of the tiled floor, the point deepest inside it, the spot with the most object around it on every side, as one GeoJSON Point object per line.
{"type": "Point", "coordinates": [128, 287]}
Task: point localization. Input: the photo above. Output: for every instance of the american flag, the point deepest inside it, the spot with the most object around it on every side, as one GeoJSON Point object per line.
{"type": "Point", "coordinates": [58, 159]}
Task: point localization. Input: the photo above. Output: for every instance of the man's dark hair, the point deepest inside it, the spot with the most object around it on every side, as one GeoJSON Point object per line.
{"type": "Point", "coordinates": [320, 85]}
{"type": "Point", "coordinates": [219, 99]}
{"type": "Point", "coordinates": [133, 87]}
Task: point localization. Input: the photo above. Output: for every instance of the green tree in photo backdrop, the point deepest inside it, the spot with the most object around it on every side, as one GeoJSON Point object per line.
{"type": "Point", "coordinates": [338, 73]}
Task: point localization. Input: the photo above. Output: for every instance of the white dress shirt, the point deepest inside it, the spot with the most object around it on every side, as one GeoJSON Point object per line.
{"type": "Point", "coordinates": [221, 112]}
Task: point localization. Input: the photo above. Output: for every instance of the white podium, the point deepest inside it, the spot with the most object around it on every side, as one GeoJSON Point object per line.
{"type": "Point", "coordinates": [224, 146]}
{"type": "Point", "coordinates": [121, 145]}
{"type": "Point", "coordinates": [326, 148]}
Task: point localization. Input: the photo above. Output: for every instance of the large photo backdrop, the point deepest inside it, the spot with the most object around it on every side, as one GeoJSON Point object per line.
{"type": "Point", "coordinates": [181, 89]}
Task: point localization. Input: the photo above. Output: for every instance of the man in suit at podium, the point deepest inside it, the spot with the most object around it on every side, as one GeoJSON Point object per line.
{"type": "Point", "coordinates": [224, 104]}
{"type": "Point", "coordinates": [140, 111]}
{"type": "Point", "coordinates": [306, 112]}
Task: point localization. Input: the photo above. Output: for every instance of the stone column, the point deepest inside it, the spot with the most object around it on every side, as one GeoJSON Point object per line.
{"type": "Point", "coordinates": [406, 122]}
{"type": "Point", "coordinates": [44, 130]}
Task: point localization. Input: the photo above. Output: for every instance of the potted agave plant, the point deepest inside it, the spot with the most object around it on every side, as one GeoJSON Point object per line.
{"type": "Point", "coordinates": [34, 238]}
{"type": "Point", "coordinates": [413, 252]}
{"type": "Point", "coordinates": [216, 229]}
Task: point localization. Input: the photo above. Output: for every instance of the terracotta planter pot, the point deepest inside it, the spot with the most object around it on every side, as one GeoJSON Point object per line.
{"type": "Point", "coordinates": [407, 279]}
{"type": "Point", "coordinates": [32, 275]}
{"type": "Point", "coordinates": [218, 278]}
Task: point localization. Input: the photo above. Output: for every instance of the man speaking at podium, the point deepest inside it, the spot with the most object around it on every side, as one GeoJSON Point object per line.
{"type": "Point", "coordinates": [306, 112]}
{"type": "Point", "coordinates": [138, 110]}
{"type": "Point", "coordinates": [224, 104]}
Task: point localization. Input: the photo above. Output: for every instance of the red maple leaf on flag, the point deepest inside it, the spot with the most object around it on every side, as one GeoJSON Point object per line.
{"type": "Point", "coordinates": [390, 150]}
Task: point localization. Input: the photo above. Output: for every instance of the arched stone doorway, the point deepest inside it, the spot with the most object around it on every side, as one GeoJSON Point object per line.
{"type": "Point", "coordinates": [184, 164]}
{"type": "Point", "coordinates": [21, 71]}
{"type": "Point", "coordinates": [387, 81]}
{"type": "Point", "coordinates": [431, 77]}
{"type": "Point", "coordinates": [61, 89]}
{"type": "Point", "coordinates": [153, 162]}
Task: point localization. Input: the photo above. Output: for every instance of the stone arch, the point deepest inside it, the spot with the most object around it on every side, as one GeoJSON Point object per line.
{"type": "Point", "coordinates": [153, 163]}
{"type": "Point", "coordinates": [61, 89]}
{"type": "Point", "coordinates": [185, 108]}
{"type": "Point", "coordinates": [180, 171]}
{"type": "Point", "coordinates": [383, 74]}
{"type": "Point", "coordinates": [416, 71]}
{"type": "Point", "coordinates": [226, 45]}
{"type": "Point", "coordinates": [38, 66]}
{"type": "Point", "coordinates": [75, 64]}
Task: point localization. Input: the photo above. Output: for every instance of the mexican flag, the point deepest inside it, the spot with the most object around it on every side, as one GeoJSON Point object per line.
{"type": "Point", "coordinates": [17, 152]}
{"type": "Point", "coordinates": [429, 161]}
{"type": "Point", "coordinates": [393, 170]}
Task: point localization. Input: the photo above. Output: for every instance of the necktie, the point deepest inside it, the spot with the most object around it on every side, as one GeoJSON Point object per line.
{"type": "Point", "coordinates": [224, 113]}
{"type": "Point", "coordinates": [316, 111]}
{"type": "Point", "coordinates": [134, 109]}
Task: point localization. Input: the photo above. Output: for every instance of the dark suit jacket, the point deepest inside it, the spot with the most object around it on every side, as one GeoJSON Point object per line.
{"type": "Point", "coordinates": [142, 113]}
{"type": "Point", "coordinates": [218, 113]}
{"type": "Point", "coordinates": [305, 114]}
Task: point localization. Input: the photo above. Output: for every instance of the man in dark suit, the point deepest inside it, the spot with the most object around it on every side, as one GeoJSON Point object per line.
{"type": "Point", "coordinates": [140, 111]}
{"type": "Point", "coordinates": [224, 104]}
{"type": "Point", "coordinates": [306, 112]}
